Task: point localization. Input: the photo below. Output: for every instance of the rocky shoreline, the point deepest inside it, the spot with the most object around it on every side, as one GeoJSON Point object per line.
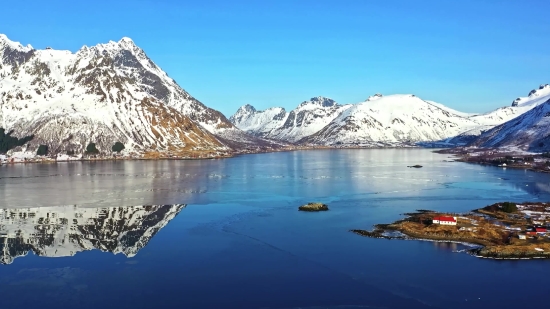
{"type": "Point", "coordinates": [536, 162]}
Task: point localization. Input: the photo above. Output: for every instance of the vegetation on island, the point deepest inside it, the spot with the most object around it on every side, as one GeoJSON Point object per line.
{"type": "Point", "coordinates": [8, 142]}
{"type": "Point", "coordinates": [503, 230]}
{"type": "Point", "coordinates": [313, 207]}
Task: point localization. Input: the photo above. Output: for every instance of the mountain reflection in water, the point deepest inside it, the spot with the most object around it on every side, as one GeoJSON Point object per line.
{"type": "Point", "coordinates": [65, 230]}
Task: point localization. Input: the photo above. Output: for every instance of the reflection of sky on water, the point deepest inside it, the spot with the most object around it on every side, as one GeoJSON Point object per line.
{"type": "Point", "coordinates": [241, 242]}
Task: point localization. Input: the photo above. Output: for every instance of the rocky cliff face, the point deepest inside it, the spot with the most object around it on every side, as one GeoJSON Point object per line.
{"type": "Point", "coordinates": [64, 231]}
{"type": "Point", "coordinates": [103, 94]}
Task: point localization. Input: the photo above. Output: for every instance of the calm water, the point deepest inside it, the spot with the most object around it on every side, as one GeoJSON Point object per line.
{"type": "Point", "coordinates": [84, 235]}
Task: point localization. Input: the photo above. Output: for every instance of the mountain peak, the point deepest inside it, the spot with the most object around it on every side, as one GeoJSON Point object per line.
{"type": "Point", "coordinates": [376, 96]}
{"type": "Point", "coordinates": [126, 40]}
{"type": "Point", "coordinates": [535, 97]}
{"type": "Point", "coordinates": [124, 43]}
{"type": "Point", "coordinates": [321, 101]}
{"type": "Point", "coordinates": [247, 108]}
{"type": "Point", "coordinates": [5, 41]}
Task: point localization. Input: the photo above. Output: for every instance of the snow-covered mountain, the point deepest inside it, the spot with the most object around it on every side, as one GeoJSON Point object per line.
{"type": "Point", "coordinates": [530, 131]}
{"type": "Point", "coordinates": [103, 94]}
{"type": "Point", "coordinates": [67, 230]}
{"type": "Point", "coordinates": [114, 93]}
{"type": "Point", "coordinates": [276, 123]}
{"type": "Point", "coordinates": [394, 120]}
{"type": "Point", "coordinates": [517, 108]}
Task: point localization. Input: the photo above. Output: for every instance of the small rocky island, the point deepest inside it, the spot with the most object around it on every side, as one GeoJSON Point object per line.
{"type": "Point", "coordinates": [500, 231]}
{"type": "Point", "coordinates": [313, 207]}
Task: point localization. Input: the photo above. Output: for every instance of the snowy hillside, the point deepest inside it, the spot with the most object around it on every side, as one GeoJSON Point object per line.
{"type": "Point", "coordinates": [518, 107]}
{"type": "Point", "coordinates": [393, 120]}
{"type": "Point", "coordinates": [275, 123]}
{"type": "Point", "coordinates": [103, 94]}
{"type": "Point", "coordinates": [67, 230]}
{"type": "Point", "coordinates": [530, 131]}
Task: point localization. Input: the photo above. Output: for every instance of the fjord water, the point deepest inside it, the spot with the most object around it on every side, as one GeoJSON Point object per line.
{"type": "Point", "coordinates": [239, 241]}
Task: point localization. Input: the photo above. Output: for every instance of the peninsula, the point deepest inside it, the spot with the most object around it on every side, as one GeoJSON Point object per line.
{"type": "Point", "coordinates": [502, 231]}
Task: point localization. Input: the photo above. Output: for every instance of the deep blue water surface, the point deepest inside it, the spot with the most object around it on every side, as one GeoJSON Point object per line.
{"type": "Point", "coordinates": [70, 237]}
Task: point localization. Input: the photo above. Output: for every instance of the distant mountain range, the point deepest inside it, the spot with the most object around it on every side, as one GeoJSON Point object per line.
{"type": "Point", "coordinates": [394, 120]}
{"type": "Point", "coordinates": [276, 123]}
{"type": "Point", "coordinates": [113, 92]}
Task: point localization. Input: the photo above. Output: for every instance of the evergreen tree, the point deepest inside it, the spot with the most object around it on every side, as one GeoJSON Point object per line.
{"type": "Point", "coordinates": [509, 207]}
{"type": "Point", "coordinates": [8, 142]}
{"type": "Point", "coordinates": [90, 149]}
{"type": "Point", "coordinates": [118, 147]}
{"type": "Point", "coordinates": [42, 150]}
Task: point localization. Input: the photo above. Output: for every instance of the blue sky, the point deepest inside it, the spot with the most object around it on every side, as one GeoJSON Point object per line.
{"type": "Point", "coordinates": [472, 55]}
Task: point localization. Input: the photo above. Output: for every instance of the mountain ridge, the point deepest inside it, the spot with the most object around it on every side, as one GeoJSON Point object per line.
{"type": "Point", "coordinates": [529, 132]}
{"type": "Point", "coordinates": [366, 124]}
{"type": "Point", "coordinates": [276, 123]}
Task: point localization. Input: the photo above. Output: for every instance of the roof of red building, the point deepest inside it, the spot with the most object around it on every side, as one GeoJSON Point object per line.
{"type": "Point", "coordinates": [445, 218]}
{"type": "Point", "coordinates": [540, 229]}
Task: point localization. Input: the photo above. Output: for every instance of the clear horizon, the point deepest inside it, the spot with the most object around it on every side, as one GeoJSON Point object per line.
{"type": "Point", "coordinates": [472, 56]}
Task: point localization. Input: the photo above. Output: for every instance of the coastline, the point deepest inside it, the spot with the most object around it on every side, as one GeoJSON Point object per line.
{"type": "Point", "coordinates": [158, 156]}
{"type": "Point", "coordinates": [467, 157]}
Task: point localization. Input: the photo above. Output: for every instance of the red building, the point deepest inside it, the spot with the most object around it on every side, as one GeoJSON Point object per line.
{"type": "Point", "coordinates": [444, 220]}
